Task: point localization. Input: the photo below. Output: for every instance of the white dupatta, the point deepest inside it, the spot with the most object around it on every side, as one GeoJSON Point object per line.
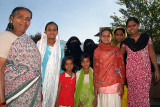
{"type": "Point", "coordinates": [52, 71]}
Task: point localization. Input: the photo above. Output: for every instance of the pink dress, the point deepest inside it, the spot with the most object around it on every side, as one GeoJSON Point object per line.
{"type": "Point", "coordinates": [138, 73]}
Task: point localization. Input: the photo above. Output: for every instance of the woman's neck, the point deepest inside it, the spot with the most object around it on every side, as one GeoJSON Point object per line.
{"type": "Point", "coordinates": [135, 36]}
{"type": "Point", "coordinates": [86, 70]}
{"type": "Point", "coordinates": [17, 33]}
{"type": "Point", "coordinates": [51, 42]}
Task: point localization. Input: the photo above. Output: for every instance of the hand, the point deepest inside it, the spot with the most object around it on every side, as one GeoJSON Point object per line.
{"type": "Point", "coordinates": [41, 97]}
{"type": "Point", "coordinates": [56, 105]}
{"type": "Point", "coordinates": [94, 103]}
{"type": "Point", "coordinates": [156, 76]}
{"type": "Point", "coordinates": [96, 92]}
{"type": "Point", "coordinates": [80, 104]}
{"type": "Point", "coordinates": [120, 90]}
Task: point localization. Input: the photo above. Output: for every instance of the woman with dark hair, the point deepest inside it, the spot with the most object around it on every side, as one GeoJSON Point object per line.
{"type": "Point", "coordinates": [20, 79]}
{"type": "Point", "coordinates": [89, 47]}
{"type": "Point", "coordinates": [52, 52]}
{"type": "Point", "coordinates": [74, 50]}
{"type": "Point", "coordinates": [139, 50]}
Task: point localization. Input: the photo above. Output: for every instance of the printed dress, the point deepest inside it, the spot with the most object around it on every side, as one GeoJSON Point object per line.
{"type": "Point", "coordinates": [22, 74]}
{"type": "Point", "coordinates": [138, 73]}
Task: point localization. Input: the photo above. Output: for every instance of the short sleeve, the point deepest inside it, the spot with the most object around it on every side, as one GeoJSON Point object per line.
{"type": "Point", "coordinates": [6, 39]}
{"type": "Point", "coordinates": [61, 78]}
{"type": "Point", "coordinates": [150, 40]}
{"type": "Point", "coordinates": [123, 45]}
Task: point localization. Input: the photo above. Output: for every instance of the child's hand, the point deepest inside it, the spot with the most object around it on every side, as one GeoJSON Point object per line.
{"type": "Point", "coordinates": [120, 90]}
{"type": "Point", "coordinates": [95, 102]}
{"type": "Point", "coordinates": [56, 105]}
{"type": "Point", "coordinates": [80, 104]}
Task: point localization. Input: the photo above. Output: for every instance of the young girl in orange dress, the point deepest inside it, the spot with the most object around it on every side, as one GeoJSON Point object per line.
{"type": "Point", "coordinates": [108, 71]}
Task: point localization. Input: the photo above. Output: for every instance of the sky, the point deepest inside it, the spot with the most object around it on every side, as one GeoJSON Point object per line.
{"type": "Point", "coordinates": [81, 18]}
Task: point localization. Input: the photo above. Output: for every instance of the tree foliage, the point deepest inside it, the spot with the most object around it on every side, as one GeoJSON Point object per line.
{"type": "Point", "coordinates": [147, 12]}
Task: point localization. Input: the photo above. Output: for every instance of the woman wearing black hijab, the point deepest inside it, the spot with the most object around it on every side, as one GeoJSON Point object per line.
{"type": "Point", "coordinates": [89, 47]}
{"type": "Point", "coordinates": [74, 50]}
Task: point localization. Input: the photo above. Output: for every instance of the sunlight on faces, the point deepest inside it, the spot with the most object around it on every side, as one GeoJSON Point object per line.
{"type": "Point", "coordinates": [69, 65]}
{"type": "Point", "coordinates": [119, 35]}
{"type": "Point", "coordinates": [21, 21]}
{"type": "Point", "coordinates": [132, 27]}
{"type": "Point", "coordinates": [106, 37]}
{"type": "Point", "coordinates": [51, 31]}
{"type": "Point", "coordinates": [86, 63]}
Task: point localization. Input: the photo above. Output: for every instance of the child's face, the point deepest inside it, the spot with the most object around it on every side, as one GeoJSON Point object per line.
{"type": "Point", "coordinates": [85, 63]}
{"type": "Point", "coordinates": [132, 27]}
{"type": "Point", "coordinates": [119, 35]}
{"type": "Point", "coordinates": [69, 65]}
{"type": "Point", "coordinates": [106, 37]}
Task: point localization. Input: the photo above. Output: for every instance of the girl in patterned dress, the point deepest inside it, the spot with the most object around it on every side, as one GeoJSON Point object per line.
{"type": "Point", "coordinates": [108, 71]}
{"type": "Point", "coordinates": [138, 69]}
{"type": "Point", "coordinates": [66, 86]}
{"type": "Point", "coordinates": [84, 94]}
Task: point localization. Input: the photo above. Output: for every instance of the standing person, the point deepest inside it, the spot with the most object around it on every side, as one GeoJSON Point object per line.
{"type": "Point", "coordinates": [52, 52]}
{"type": "Point", "coordinates": [89, 47]}
{"type": "Point", "coordinates": [20, 73]}
{"type": "Point", "coordinates": [119, 34]}
{"type": "Point", "coordinates": [66, 86]}
{"type": "Point", "coordinates": [138, 69]}
{"type": "Point", "coordinates": [84, 94]}
{"type": "Point", "coordinates": [108, 71]}
{"type": "Point", "coordinates": [74, 50]}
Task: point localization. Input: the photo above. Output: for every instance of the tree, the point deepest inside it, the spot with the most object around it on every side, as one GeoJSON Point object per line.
{"type": "Point", "coordinates": [148, 13]}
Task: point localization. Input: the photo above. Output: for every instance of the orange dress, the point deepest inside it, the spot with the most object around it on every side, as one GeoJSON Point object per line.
{"type": "Point", "coordinates": [108, 66]}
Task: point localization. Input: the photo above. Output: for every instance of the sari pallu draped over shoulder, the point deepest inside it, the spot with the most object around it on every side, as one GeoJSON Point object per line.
{"type": "Point", "coordinates": [108, 66]}
{"type": "Point", "coordinates": [22, 74]}
{"type": "Point", "coordinates": [52, 71]}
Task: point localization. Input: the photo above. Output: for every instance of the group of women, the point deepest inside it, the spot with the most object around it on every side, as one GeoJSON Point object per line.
{"type": "Point", "coordinates": [29, 75]}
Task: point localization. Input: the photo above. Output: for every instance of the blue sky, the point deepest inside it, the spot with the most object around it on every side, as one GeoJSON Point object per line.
{"type": "Point", "coordinates": [81, 18]}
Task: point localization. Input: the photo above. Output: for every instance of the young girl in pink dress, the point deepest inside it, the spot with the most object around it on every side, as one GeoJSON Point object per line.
{"type": "Point", "coordinates": [66, 87]}
{"type": "Point", "coordinates": [138, 69]}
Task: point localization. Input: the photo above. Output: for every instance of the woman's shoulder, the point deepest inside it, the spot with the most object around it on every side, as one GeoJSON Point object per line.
{"type": "Point", "coordinates": [8, 35]}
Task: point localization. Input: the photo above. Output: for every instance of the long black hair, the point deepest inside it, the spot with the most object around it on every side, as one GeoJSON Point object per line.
{"type": "Point", "coordinates": [14, 12]}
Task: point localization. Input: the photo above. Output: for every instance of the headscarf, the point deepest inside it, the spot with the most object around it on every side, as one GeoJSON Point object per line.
{"type": "Point", "coordinates": [114, 41]}
{"type": "Point", "coordinates": [89, 47]}
{"type": "Point", "coordinates": [52, 71]}
{"type": "Point", "coordinates": [74, 50]}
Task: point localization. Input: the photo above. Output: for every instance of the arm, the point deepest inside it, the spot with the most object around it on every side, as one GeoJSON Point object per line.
{"type": "Point", "coordinates": [2, 86]}
{"type": "Point", "coordinates": [58, 93]}
{"type": "Point", "coordinates": [154, 61]}
{"type": "Point", "coordinates": [123, 50]}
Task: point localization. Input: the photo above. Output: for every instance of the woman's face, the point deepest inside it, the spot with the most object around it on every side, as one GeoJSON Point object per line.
{"type": "Point", "coordinates": [132, 27]}
{"type": "Point", "coordinates": [21, 21]}
{"type": "Point", "coordinates": [51, 31]}
{"type": "Point", "coordinates": [106, 37]}
{"type": "Point", "coordinates": [119, 35]}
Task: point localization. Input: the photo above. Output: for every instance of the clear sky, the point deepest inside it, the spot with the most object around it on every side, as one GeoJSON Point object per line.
{"type": "Point", "coordinates": [81, 18]}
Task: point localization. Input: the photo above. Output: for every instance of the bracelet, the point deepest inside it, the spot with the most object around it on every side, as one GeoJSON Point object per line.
{"type": "Point", "coordinates": [4, 103]}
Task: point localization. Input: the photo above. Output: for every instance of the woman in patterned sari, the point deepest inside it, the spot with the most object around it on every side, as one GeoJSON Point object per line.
{"type": "Point", "coordinates": [20, 79]}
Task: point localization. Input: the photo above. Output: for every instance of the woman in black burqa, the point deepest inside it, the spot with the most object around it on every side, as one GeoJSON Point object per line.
{"type": "Point", "coordinates": [74, 50]}
{"type": "Point", "coordinates": [89, 47]}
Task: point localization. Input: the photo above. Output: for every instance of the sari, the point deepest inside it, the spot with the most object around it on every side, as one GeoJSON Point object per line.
{"type": "Point", "coordinates": [22, 74]}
